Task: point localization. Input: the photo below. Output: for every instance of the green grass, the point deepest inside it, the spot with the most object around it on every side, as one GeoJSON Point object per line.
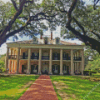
{"type": "Point", "coordinates": [79, 87]}
{"type": "Point", "coordinates": [59, 98]}
{"type": "Point", "coordinates": [11, 87]}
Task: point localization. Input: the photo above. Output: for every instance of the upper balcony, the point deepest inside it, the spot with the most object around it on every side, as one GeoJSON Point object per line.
{"type": "Point", "coordinates": [77, 58]}
{"type": "Point", "coordinates": [12, 56]}
{"type": "Point", "coordinates": [23, 57]}
{"type": "Point", "coordinates": [67, 58]}
{"type": "Point", "coordinates": [56, 58]}
{"type": "Point", "coordinates": [45, 57]}
{"type": "Point", "coordinates": [35, 57]}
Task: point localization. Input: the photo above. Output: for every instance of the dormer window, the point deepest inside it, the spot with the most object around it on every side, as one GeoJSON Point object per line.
{"type": "Point", "coordinates": [45, 40]}
{"type": "Point", "coordinates": [57, 40]}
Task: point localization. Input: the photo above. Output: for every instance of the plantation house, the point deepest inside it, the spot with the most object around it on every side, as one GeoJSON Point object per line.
{"type": "Point", "coordinates": [45, 55]}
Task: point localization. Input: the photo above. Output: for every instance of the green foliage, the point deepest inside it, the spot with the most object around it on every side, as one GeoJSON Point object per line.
{"type": "Point", "coordinates": [89, 72]}
{"type": "Point", "coordinates": [91, 54]}
{"type": "Point", "coordinates": [94, 65]}
{"type": "Point", "coordinates": [2, 69]}
{"type": "Point", "coordinates": [1, 64]}
{"type": "Point", "coordinates": [2, 58]}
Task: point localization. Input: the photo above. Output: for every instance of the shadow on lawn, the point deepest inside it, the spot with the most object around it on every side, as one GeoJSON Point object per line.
{"type": "Point", "coordinates": [5, 75]}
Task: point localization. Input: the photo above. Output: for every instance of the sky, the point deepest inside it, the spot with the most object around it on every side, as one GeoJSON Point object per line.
{"type": "Point", "coordinates": [56, 33]}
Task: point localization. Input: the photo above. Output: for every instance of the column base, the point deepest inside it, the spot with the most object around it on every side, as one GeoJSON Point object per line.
{"type": "Point", "coordinates": [50, 73]}
{"type": "Point", "coordinates": [61, 73]}
{"type": "Point", "coordinates": [16, 73]}
{"type": "Point", "coordinates": [39, 73]}
{"type": "Point", "coordinates": [72, 74]}
{"type": "Point", "coordinates": [28, 73]}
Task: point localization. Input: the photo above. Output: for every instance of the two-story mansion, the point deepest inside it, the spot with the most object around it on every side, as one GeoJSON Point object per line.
{"type": "Point", "coordinates": [45, 55]}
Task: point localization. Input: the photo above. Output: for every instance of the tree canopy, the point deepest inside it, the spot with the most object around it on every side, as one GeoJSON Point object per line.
{"type": "Point", "coordinates": [77, 19]}
{"type": "Point", "coordinates": [23, 17]}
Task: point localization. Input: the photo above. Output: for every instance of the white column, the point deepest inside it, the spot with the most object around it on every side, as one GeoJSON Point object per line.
{"type": "Point", "coordinates": [50, 62]}
{"type": "Point", "coordinates": [18, 52]}
{"type": "Point", "coordinates": [40, 51]}
{"type": "Point", "coordinates": [29, 61]}
{"type": "Point", "coordinates": [82, 65]}
{"type": "Point", "coordinates": [72, 67]}
{"type": "Point", "coordinates": [7, 57]}
{"type": "Point", "coordinates": [61, 62]}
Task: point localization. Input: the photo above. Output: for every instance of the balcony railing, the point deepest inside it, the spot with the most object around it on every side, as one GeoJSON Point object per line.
{"type": "Point", "coordinates": [34, 57]}
{"type": "Point", "coordinates": [45, 57]}
{"type": "Point", "coordinates": [77, 58]}
{"type": "Point", "coordinates": [23, 57]}
{"type": "Point", "coordinates": [66, 58]}
{"type": "Point", "coordinates": [56, 58]}
{"type": "Point", "coordinates": [12, 56]}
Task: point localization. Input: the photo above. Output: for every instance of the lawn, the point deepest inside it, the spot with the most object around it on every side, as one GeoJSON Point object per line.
{"type": "Point", "coordinates": [76, 87]}
{"type": "Point", "coordinates": [12, 87]}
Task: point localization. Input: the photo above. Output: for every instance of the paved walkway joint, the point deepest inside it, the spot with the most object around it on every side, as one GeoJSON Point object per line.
{"type": "Point", "coordinates": [41, 89]}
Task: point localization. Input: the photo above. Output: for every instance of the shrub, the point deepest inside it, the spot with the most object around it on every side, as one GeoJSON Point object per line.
{"type": "Point", "coordinates": [89, 72]}
{"type": "Point", "coordinates": [2, 69]}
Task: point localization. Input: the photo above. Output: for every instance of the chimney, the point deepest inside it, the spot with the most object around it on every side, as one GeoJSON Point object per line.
{"type": "Point", "coordinates": [41, 36]}
{"type": "Point", "coordinates": [51, 36]}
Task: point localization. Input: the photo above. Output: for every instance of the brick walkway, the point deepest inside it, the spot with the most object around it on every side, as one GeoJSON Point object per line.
{"type": "Point", "coordinates": [41, 89]}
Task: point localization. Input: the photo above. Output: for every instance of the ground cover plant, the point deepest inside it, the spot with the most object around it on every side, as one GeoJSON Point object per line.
{"type": "Point", "coordinates": [13, 86]}
{"type": "Point", "coordinates": [77, 87]}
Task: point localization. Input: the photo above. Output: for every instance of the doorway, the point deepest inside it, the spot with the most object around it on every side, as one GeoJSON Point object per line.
{"type": "Point", "coordinates": [65, 70]}
{"type": "Point", "coordinates": [56, 69]}
{"type": "Point", "coordinates": [23, 69]}
{"type": "Point", "coordinates": [45, 69]}
{"type": "Point", "coordinates": [34, 69]}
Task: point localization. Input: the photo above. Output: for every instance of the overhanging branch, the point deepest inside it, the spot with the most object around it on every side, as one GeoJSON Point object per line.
{"type": "Point", "coordinates": [81, 27]}
{"type": "Point", "coordinates": [14, 4]}
{"type": "Point", "coordinates": [70, 12]}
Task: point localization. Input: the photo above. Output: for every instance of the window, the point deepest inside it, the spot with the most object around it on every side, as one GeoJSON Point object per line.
{"type": "Point", "coordinates": [56, 54]}
{"type": "Point", "coordinates": [35, 54]}
{"type": "Point", "coordinates": [64, 54]}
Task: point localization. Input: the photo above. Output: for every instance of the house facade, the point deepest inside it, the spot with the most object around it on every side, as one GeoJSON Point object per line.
{"type": "Point", "coordinates": [45, 55]}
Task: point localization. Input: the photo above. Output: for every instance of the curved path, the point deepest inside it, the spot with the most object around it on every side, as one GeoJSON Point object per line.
{"type": "Point", "coordinates": [41, 89]}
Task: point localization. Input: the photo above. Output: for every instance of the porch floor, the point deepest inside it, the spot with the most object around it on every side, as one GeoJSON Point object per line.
{"type": "Point", "coordinates": [41, 89]}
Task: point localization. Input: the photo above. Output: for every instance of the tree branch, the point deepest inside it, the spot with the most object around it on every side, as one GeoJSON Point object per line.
{"type": "Point", "coordinates": [95, 33]}
{"type": "Point", "coordinates": [81, 27]}
{"type": "Point", "coordinates": [94, 44]}
{"type": "Point", "coordinates": [14, 4]}
{"type": "Point", "coordinates": [41, 13]}
{"type": "Point", "coordinates": [70, 12]}
{"type": "Point", "coordinates": [95, 3]}
{"type": "Point", "coordinates": [4, 38]}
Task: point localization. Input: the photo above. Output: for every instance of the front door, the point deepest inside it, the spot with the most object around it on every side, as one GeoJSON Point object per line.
{"type": "Point", "coordinates": [65, 69]}
{"type": "Point", "coordinates": [45, 69]}
{"type": "Point", "coordinates": [34, 69]}
{"type": "Point", "coordinates": [55, 69]}
{"type": "Point", "coordinates": [23, 69]}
